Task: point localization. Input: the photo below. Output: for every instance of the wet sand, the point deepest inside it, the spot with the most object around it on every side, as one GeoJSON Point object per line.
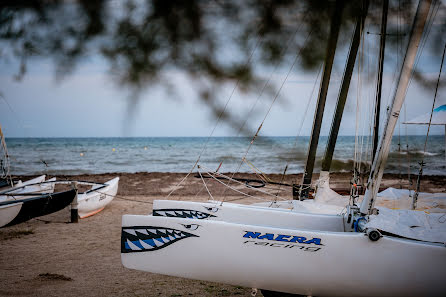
{"type": "Point", "coordinates": [48, 256]}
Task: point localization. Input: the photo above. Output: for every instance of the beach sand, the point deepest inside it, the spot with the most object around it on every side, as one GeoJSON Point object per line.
{"type": "Point", "coordinates": [48, 256]}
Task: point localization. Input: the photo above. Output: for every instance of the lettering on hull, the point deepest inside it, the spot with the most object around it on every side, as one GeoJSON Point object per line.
{"type": "Point", "coordinates": [283, 241]}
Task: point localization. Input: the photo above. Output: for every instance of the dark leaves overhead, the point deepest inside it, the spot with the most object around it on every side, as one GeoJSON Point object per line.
{"type": "Point", "coordinates": [212, 41]}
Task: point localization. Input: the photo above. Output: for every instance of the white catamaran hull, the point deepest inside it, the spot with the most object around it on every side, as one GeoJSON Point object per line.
{"type": "Point", "coordinates": [418, 225]}
{"type": "Point", "coordinates": [251, 215]}
{"type": "Point", "coordinates": [287, 260]}
{"type": "Point", "coordinates": [94, 201]}
{"type": "Point", "coordinates": [9, 212]}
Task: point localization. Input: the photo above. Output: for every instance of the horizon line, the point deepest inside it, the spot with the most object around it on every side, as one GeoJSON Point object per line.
{"type": "Point", "coordinates": [197, 136]}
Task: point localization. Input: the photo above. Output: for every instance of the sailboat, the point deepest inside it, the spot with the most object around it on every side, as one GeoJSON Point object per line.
{"type": "Point", "coordinates": [357, 252]}
{"type": "Point", "coordinates": [97, 198]}
{"type": "Point", "coordinates": [15, 198]}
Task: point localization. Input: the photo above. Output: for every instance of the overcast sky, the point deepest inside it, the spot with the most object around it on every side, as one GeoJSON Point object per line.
{"type": "Point", "coordinates": [89, 104]}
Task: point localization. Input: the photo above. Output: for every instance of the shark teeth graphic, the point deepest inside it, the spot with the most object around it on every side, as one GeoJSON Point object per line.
{"type": "Point", "coordinates": [182, 213]}
{"type": "Point", "coordinates": [149, 238]}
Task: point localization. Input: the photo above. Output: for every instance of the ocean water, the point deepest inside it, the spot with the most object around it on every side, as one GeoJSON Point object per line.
{"type": "Point", "coordinates": [55, 156]}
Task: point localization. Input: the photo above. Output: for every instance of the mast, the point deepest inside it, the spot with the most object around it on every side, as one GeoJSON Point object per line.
{"type": "Point", "coordinates": [342, 97]}
{"type": "Point", "coordinates": [382, 152]}
{"type": "Point", "coordinates": [329, 57]}
{"type": "Point", "coordinates": [4, 160]}
{"type": "Point", "coordinates": [382, 45]}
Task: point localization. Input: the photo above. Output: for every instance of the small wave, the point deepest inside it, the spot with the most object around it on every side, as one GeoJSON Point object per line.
{"type": "Point", "coordinates": [343, 165]}
{"type": "Point", "coordinates": [426, 153]}
{"type": "Point", "coordinates": [418, 153]}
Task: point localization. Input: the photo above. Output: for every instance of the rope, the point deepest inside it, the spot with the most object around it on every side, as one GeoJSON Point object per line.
{"type": "Point", "coordinates": [239, 182]}
{"type": "Point", "coordinates": [199, 172]}
{"type": "Point", "coordinates": [122, 198]}
{"type": "Point", "coordinates": [255, 169]}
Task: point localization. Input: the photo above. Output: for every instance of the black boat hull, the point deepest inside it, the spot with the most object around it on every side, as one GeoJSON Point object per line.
{"type": "Point", "coordinates": [39, 206]}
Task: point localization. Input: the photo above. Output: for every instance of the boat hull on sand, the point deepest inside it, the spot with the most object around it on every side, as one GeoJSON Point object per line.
{"type": "Point", "coordinates": [317, 263]}
{"type": "Point", "coordinates": [8, 212]}
{"type": "Point", "coordinates": [32, 207]}
{"type": "Point", "coordinates": [95, 200]}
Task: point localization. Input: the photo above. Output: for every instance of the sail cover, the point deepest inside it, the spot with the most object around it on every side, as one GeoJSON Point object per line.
{"type": "Point", "coordinates": [419, 225]}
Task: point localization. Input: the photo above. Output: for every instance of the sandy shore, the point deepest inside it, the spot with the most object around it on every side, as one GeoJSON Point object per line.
{"type": "Point", "coordinates": [48, 256]}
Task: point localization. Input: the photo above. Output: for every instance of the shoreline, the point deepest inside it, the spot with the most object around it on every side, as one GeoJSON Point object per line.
{"type": "Point", "coordinates": [148, 183]}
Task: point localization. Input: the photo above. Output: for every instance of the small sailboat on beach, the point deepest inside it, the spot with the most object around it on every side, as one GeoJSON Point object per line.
{"type": "Point", "coordinates": [97, 198]}
{"type": "Point", "coordinates": [21, 204]}
{"type": "Point", "coordinates": [314, 249]}
{"type": "Point", "coordinates": [21, 201]}
{"type": "Point", "coordinates": [92, 200]}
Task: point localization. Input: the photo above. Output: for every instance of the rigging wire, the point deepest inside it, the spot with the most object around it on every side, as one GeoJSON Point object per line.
{"type": "Point", "coordinates": [431, 19]}
{"type": "Point", "coordinates": [216, 124]}
{"type": "Point", "coordinates": [356, 167]}
{"type": "Point", "coordinates": [399, 49]}
{"type": "Point", "coordinates": [298, 54]}
{"type": "Point", "coordinates": [407, 147]}
{"type": "Point", "coordinates": [430, 22]}
{"type": "Point", "coordinates": [415, 197]}
{"type": "Point", "coordinates": [281, 181]}
{"type": "Point", "coordinates": [400, 175]}
{"type": "Point", "coordinates": [13, 112]}
{"type": "Point", "coordinates": [221, 114]}
{"type": "Point", "coordinates": [199, 172]}
{"type": "Point", "coordinates": [370, 77]}
{"type": "Point", "coordinates": [276, 66]}
{"type": "Point", "coordinates": [306, 112]}
{"type": "Point", "coordinates": [5, 165]}
{"type": "Point", "coordinates": [214, 175]}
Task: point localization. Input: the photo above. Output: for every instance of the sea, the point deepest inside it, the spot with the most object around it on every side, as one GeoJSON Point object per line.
{"type": "Point", "coordinates": [71, 156]}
